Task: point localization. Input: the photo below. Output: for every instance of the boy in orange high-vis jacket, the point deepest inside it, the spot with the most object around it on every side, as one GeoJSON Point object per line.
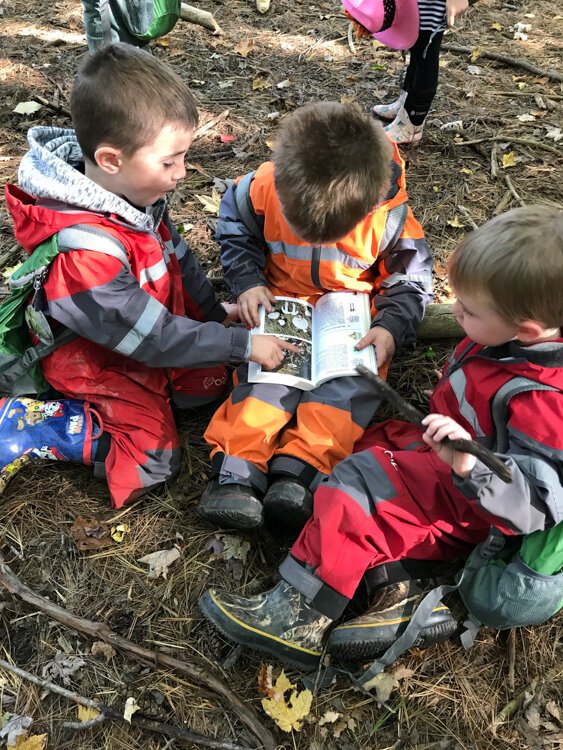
{"type": "Point", "coordinates": [332, 215]}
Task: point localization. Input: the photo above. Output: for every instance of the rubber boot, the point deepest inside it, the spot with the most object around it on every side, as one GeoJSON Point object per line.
{"type": "Point", "coordinates": [289, 501]}
{"type": "Point", "coordinates": [279, 622]}
{"type": "Point", "coordinates": [369, 635]}
{"type": "Point", "coordinates": [402, 131]}
{"type": "Point", "coordinates": [55, 430]}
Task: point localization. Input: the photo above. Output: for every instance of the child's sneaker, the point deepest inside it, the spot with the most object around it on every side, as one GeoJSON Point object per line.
{"type": "Point", "coordinates": [56, 430]}
{"type": "Point", "coordinates": [389, 111]}
{"type": "Point", "coordinates": [401, 130]}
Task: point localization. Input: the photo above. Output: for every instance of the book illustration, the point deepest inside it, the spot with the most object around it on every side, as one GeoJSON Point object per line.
{"type": "Point", "coordinates": [327, 336]}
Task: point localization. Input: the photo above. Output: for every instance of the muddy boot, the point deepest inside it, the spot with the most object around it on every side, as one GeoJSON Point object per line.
{"type": "Point", "coordinates": [56, 430]}
{"type": "Point", "coordinates": [367, 636]}
{"type": "Point", "coordinates": [289, 501]}
{"type": "Point", "coordinates": [230, 506]}
{"type": "Point", "coordinates": [278, 622]}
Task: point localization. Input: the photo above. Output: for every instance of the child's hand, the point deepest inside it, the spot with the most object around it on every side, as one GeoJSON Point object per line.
{"type": "Point", "coordinates": [233, 315]}
{"type": "Point", "coordinates": [269, 351]}
{"type": "Point", "coordinates": [438, 426]}
{"type": "Point", "coordinates": [248, 302]}
{"type": "Point", "coordinates": [384, 343]}
{"type": "Point", "coordinates": [455, 9]}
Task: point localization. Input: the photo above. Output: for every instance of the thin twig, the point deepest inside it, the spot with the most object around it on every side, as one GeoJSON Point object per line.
{"type": "Point", "coordinates": [107, 712]}
{"type": "Point", "coordinates": [555, 97]}
{"type": "Point", "coordinates": [512, 189]}
{"type": "Point", "coordinates": [467, 216]}
{"type": "Point", "coordinates": [510, 139]}
{"type": "Point", "coordinates": [350, 35]}
{"type": "Point", "coordinates": [511, 648]}
{"type": "Point", "coordinates": [494, 166]}
{"type": "Point", "coordinates": [60, 110]}
{"type": "Point", "coordinates": [100, 631]}
{"type": "Point", "coordinates": [414, 415]}
{"type": "Point", "coordinates": [515, 62]}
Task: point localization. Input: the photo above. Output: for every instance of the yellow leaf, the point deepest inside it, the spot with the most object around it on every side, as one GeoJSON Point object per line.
{"type": "Point", "coordinates": [270, 144]}
{"type": "Point", "coordinates": [466, 170]}
{"type": "Point", "coordinates": [245, 47]}
{"type": "Point", "coordinates": [455, 222]}
{"type": "Point", "coordinates": [288, 714]}
{"type": "Point", "coordinates": [9, 270]}
{"type": "Point", "coordinates": [118, 532]}
{"type": "Point", "coordinates": [260, 83]}
{"type": "Point", "coordinates": [508, 160]}
{"type": "Point", "coordinates": [162, 41]}
{"type": "Point", "coordinates": [496, 26]}
{"type": "Point", "coordinates": [87, 714]}
{"type": "Point", "coordinates": [475, 54]}
{"type": "Point", "coordinates": [443, 63]}
{"type": "Point", "coordinates": [211, 202]}
{"type": "Point", "coordinates": [34, 742]}
{"type": "Point", "coordinates": [520, 85]}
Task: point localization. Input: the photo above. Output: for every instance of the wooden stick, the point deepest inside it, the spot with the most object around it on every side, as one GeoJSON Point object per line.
{"type": "Point", "coordinates": [555, 97]}
{"type": "Point", "coordinates": [515, 62]}
{"type": "Point", "coordinates": [110, 713]}
{"type": "Point", "coordinates": [200, 17]}
{"type": "Point", "coordinates": [512, 189]}
{"type": "Point", "coordinates": [415, 416]}
{"type": "Point", "coordinates": [100, 631]}
{"type": "Point", "coordinates": [510, 139]}
{"type": "Point", "coordinates": [207, 126]}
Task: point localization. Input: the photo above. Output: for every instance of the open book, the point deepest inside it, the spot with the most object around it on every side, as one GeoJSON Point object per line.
{"type": "Point", "coordinates": [326, 335]}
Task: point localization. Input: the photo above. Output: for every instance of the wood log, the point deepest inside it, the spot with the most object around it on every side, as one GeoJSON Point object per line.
{"type": "Point", "coordinates": [439, 323]}
{"type": "Point", "coordinates": [200, 17]}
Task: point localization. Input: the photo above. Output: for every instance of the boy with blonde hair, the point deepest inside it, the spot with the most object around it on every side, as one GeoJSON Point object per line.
{"type": "Point", "coordinates": [330, 213]}
{"type": "Point", "coordinates": [147, 324]}
{"type": "Point", "coordinates": [404, 498]}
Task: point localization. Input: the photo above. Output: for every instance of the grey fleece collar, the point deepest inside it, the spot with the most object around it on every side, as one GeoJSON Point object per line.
{"type": "Point", "coordinates": [48, 170]}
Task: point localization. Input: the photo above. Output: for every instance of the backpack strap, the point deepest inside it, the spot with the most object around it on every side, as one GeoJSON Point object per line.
{"type": "Point", "coordinates": [244, 204]}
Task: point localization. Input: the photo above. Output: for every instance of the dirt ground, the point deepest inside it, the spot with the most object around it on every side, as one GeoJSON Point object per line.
{"type": "Point", "coordinates": [492, 142]}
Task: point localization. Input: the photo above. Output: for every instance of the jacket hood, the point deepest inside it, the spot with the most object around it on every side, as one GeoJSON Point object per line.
{"type": "Point", "coordinates": [542, 362]}
{"type": "Point", "coordinates": [50, 175]}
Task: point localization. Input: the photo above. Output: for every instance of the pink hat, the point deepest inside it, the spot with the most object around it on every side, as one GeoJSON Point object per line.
{"type": "Point", "coordinates": [395, 23]}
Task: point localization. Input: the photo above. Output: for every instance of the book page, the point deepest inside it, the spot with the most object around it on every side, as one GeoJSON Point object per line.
{"type": "Point", "coordinates": [341, 320]}
{"type": "Point", "coordinates": [291, 320]}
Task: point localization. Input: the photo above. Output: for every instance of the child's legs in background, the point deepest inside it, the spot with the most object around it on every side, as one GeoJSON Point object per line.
{"type": "Point", "coordinates": [421, 77]}
{"type": "Point", "coordinates": [244, 431]}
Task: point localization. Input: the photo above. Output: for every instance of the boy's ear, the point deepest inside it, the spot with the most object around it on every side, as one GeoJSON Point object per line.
{"type": "Point", "coordinates": [529, 331]}
{"type": "Point", "coordinates": [108, 158]}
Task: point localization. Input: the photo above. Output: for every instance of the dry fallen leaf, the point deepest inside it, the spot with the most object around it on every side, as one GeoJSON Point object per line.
{"type": "Point", "coordinates": [244, 48]}
{"type": "Point", "coordinates": [90, 534]}
{"type": "Point", "coordinates": [210, 203]}
{"type": "Point", "coordinates": [118, 532]}
{"type": "Point", "coordinates": [288, 714]}
{"type": "Point", "coordinates": [87, 714]}
{"type": "Point", "coordinates": [383, 684]}
{"type": "Point", "coordinates": [27, 108]}
{"type": "Point", "coordinates": [455, 222]}
{"type": "Point", "coordinates": [33, 742]}
{"type": "Point", "coordinates": [496, 26]}
{"type": "Point", "coordinates": [12, 726]}
{"type": "Point", "coordinates": [130, 708]}
{"type": "Point", "coordinates": [99, 648]}
{"type": "Point", "coordinates": [160, 561]}
{"type": "Point", "coordinates": [329, 717]}
{"type": "Point", "coordinates": [508, 160]}
{"type": "Point", "coordinates": [261, 83]}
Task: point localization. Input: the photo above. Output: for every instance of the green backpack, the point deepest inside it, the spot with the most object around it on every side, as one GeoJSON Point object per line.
{"type": "Point", "coordinates": [132, 21]}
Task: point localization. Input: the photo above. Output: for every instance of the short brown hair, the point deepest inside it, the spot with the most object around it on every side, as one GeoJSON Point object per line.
{"type": "Point", "coordinates": [123, 96]}
{"type": "Point", "coordinates": [516, 261]}
{"type": "Point", "coordinates": [332, 166]}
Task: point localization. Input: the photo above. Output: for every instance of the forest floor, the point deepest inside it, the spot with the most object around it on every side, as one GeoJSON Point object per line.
{"type": "Point", "coordinates": [493, 141]}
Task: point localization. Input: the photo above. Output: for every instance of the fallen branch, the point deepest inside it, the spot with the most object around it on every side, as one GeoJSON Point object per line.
{"type": "Point", "coordinates": [415, 416]}
{"type": "Point", "coordinates": [510, 139]}
{"type": "Point", "coordinates": [350, 36]}
{"type": "Point", "coordinates": [100, 631]}
{"type": "Point", "coordinates": [200, 17]}
{"type": "Point", "coordinates": [55, 107]}
{"type": "Point", "coordinates": [107, 712]}
{"type": "Point", "coordinates": [467, 216]}
{"type": "Point", "coordinates": [514, 62]}
{"type": "Point", "coordinates": [439, 322]}
{"type": "Point", "coordinates": [555, 97]}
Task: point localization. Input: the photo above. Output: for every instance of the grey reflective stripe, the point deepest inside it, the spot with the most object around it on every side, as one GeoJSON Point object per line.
{"type": "Point", "coordinates": [417, 278]}
{"type": "Point", "coordinates": [458, 382]}
{"type": "Point", "coordinates": [501, 399]}
{"type": "Point", "coordinates": [394, 225]}
{"type": "Point", "coordinates": [535, 446]}
{"type": "Point", "coordinates": [237, 470]}
{"type": "Point", "coordinates": [364, 480]}
{"type": "Point", "coordinates": [86, 237]}
{"type": "Point", "coordinates": [153, 273]}
{"type": "Point", "coordinates": [142, 328]}
{"type": "Point", "coordinates": [330, 254]}
{"type": "Point", "coordinates": [27, 279]}
{"type": "Point", "coordinates": [161, 464]}
{"type": "Point", "coordinates": [169, 249]}
{"type": "Point", "coordinates": [300, 578]}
